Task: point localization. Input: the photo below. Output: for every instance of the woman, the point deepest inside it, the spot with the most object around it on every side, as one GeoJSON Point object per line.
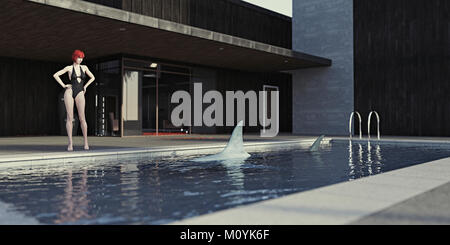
{"type": "Point", "coordinates": [75, 91]}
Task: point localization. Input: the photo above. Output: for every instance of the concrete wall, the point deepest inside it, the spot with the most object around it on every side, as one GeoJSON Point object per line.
{"type": "Point", "coordinates": [323, 97]}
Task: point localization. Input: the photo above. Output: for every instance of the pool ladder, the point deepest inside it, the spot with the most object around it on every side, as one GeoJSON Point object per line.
{"type": "Point", "coordinates": [378, 124]}
{"type": "Point", "coordinates": [350, 124]}
{"type": "Point", "coordinates": [368, 124]}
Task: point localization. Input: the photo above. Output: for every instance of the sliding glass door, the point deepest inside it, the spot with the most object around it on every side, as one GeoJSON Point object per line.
{"type": "Point", "coordinates": [147, 92]}
{"type": "Point", "coordinates": [149, 102]}
{"type": "Point", "coordinates": [169, 83]}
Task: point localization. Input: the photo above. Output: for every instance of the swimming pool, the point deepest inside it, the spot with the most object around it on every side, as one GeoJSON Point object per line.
{"type": "Point", "coordinates": [160, 191]}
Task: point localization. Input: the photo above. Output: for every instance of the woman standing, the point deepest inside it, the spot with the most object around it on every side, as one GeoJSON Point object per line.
{"type": "Point", "coordinates": [75, 91]}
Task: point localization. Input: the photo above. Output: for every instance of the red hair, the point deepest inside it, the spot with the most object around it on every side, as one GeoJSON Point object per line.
{"type": "Point", "coordinates": [77, 54]}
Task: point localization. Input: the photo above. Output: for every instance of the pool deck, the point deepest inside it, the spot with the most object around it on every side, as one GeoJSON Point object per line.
{"type": "Point", "coordinates": [28, 151]}
{"type": "Point", "coordinates": [58, 144]}
{"type": "Point", "coordinates": [418, 194]}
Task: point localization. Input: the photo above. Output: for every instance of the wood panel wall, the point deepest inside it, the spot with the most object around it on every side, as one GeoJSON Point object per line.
{"type": "Point", "coordinates": [231, 17]}
{"type": "Point", "coordinates": [402, 65]}
{"type": "Point", "coordinates": [29, 98]}
{"type": "Point", "coordinates": [231, 80]}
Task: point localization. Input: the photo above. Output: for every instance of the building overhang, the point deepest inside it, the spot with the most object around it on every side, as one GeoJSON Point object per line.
{"type": "Point", "coordinates": [51, 29]}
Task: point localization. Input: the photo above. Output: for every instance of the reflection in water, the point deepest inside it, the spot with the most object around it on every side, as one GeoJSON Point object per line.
{"type": "Point", "coordinates": [369, 158]}
{"type": "Point", "coordinates": [359, 167]}
{"type": "Point", "coordinates": [154, 180]}
{"type": "Point", "coordinates": [75, 204]}
{"type": "Point", "coordinates": [350, 161]}
{"type": "Point", "coordinates": [129, 179]}
{"type": "Point", "coordinates": [371, 166]}
{"type": "Point", "coordinates": [379, 158]}
{"type": "Point", "coordinates": [235, 171]}
{"type": "Point", "coordinates": [317, 157]}
{"type": "Point", "coordinates": [360, 155]}
{"type": "Point", "coordinates": [314, 150]}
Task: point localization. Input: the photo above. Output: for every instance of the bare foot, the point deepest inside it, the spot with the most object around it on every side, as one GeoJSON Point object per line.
{"type": "Point", "coordinates": [70, 148]}
{"type": "Point", "coordinates": [86, 147]}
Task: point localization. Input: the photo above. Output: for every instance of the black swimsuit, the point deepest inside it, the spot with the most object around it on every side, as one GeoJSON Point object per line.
{"type": "Point", "coordinates": [77, 87]}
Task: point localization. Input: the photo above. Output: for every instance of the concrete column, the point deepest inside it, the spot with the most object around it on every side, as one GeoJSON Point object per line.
{"type": "Point", "coordinates": [323, 97]}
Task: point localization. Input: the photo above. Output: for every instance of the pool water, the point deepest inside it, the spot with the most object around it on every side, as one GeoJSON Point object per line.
{"type": "Point", "coordinates": [160, 191]}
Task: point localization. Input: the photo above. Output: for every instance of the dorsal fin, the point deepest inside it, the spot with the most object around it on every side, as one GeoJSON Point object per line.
{"type": "Point", "coordinates": [316, 144]}
{"type": "Point", "coordinates": [236, 142]}
{"type": "Point", "coordinates": [233, 150]}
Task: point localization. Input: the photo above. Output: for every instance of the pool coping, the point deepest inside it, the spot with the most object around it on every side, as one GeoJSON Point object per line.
{"type": "Point", "coordinates": [15, 160]}
{"type": "Point", "coordinates": [390, 140]}
{"type": "Point", "coordinates": [136, 153]}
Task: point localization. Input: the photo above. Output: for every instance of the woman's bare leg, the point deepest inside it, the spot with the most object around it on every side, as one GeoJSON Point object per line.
{"type": "Point", "coordinates": [68, 101]}
{"type": "Point", "coordinates": [81, 102]}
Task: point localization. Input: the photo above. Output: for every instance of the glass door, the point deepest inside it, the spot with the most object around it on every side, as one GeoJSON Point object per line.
{"type": "Point", "coordinates": [131, 102]}
{"type": "Point", "coordinates": [169, 83]}
{"type": "Point", "coordinates": [108, 84]}
{"type": "Point", "coordinates": [147, 93]}
{"type": "Point", "coordinates": [149, 102]}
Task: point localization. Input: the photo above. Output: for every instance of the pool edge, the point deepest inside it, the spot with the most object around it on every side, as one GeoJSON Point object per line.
{"type": "Point", "coordinates": [144, 153]}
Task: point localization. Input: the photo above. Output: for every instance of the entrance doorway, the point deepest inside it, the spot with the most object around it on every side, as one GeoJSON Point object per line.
{"type": "Point", "coordinates": [149, 102]}
{"type": "Point", "coordinates": [168, 83]}
{"type": "Point", "coordinates": [147, 91]}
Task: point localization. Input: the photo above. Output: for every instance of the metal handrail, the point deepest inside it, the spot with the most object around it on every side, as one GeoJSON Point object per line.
{"type": "Point", "coordinates": [378, 124]}
{"type": "Point", "coordinates": [350, 124]}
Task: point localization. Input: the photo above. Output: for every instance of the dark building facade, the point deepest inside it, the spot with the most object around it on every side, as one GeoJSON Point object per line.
{"type": "Point", "coordinates": [140, 52]}
{"type": "Point", "coordinates": [389, 56]}
{"type": "Point", "coordinates": [232, 17]}
{"type": "Point", "coordinates": [402, 65]}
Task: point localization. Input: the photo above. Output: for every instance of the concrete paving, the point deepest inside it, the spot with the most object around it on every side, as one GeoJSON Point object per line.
{"type": "Point", "coordinates": [429, 208]}
{"type": "Point", "coordinates": [46, 144]}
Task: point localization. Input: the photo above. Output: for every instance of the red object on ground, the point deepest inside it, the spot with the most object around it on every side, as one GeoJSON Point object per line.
{"type": "Point", "coordinates": [153, 133]}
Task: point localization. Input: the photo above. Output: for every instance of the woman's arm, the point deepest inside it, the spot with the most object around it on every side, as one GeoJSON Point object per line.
{"type": "Point", "coordinates": [88, 72]}
{"type": "Point", "coordinates": [59, 73]}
